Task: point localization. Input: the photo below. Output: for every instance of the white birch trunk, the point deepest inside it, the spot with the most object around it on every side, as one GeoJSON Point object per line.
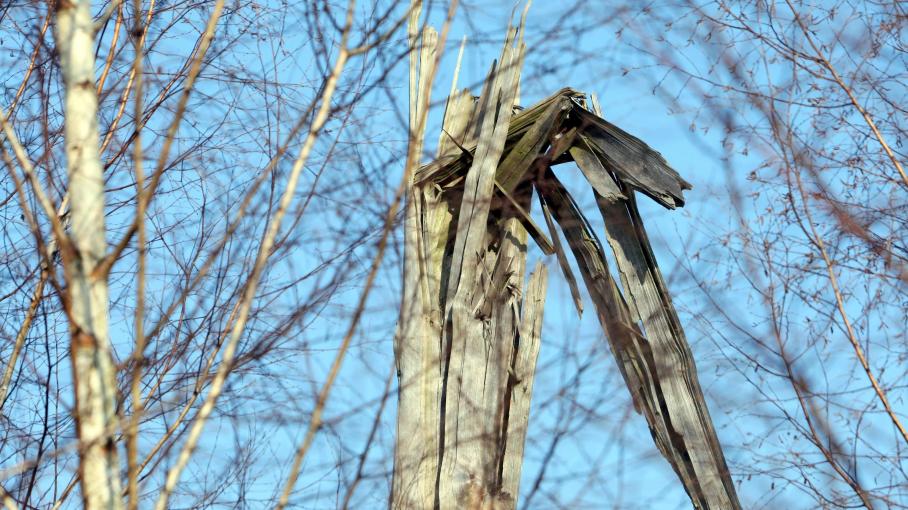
{"type": "Point", "coordinates": [93, 370]}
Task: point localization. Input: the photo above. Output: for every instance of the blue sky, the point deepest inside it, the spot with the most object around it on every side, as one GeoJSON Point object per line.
{"type": "Point", "coordinates": [582, 423]}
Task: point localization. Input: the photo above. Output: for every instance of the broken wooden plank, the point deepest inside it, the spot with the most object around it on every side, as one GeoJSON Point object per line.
{"type": "Point", "coordinates": [453, 103]}
{"type": "Point", "coordinates": [505, 258]}
{"type": "Point", "coordinates": [441, 171]}
{"type": "Point", "coordinates": [455, 127]}
{"type": "Point", "coordinates": [672, 183]}
{"type": "Point", "coordinates": [544, 243]}
{"type": "Point", "coordinates": [587, 250]}
{"type": "Point", "coordinates": [638, 165]}
{"type": "Point", "coordinates": [527, 149]}
{"type": "Point", "coordinates": [529, 224]}
{"type": "Point", "coordinates": [594, 171]}
{"type": "Point", "coordinates": [505, 323]}
{"type": "Point", "coordinates": [633, 160]}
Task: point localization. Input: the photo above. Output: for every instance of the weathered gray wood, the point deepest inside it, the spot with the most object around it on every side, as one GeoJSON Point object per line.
{"type": "Point", "coordinates": [545, 244]}
{"type": "Point", "coordinates": [474, 386]}
{"type": "Point", "coordinates": [526, 150]}
{"type": "Point", "coordinates": [456, 126]}
{"type": "Point", "coordinates": [626, 340]}
{"type": "Point", "coordinates": [508, 281]}
{"type": "Point", "coordinates": [528, 222]}
{"type": "Point", "coordinates": [442, 170]}
{"type": "Point", "coordinates": [522, 378]}
{"type": "Point", "coordinates": [636, 163]}
{"type": "Point", "coordinates": [610, 307]}
{"type": "Point", "coordinates": [675, 367]}
{"type": "Point", "coordinates": [453, 106]}
{"type": "Point", "coordinates": [418, 338]}
{"type": "Point", "coordinates": [595, 173]}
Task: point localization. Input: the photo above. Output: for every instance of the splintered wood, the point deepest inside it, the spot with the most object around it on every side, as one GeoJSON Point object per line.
{"type": "Point", "coordinates": [470, 327]}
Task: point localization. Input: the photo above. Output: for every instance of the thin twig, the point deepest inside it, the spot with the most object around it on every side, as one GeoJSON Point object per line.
{"type": "Point", "coordinates": [867, 118]}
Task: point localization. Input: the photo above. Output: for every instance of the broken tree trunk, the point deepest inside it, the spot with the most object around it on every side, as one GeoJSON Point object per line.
{"type": "Point", "coordinates": [477, 354]}
{"type": "Point", "coordinates": [469, 334]}
{"type": "Point", "coordinates": [418, 340]}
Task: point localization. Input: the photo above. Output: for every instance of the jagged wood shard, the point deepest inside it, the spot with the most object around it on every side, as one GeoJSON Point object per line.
{"type": "Point", "coordinates": [530, 131]}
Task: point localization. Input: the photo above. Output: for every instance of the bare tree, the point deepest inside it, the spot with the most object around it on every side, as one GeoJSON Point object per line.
{"type": "Point", "coordinates": [241, 203]}
{"type": "Point", "coordinates": [188, 264]}
{"type": "Point", "coordinates": [83, 250]}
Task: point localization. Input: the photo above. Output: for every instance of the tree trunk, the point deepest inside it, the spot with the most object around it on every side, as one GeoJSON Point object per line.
{"type": "Point", "coordinates": [87, 301]}
{"type": "Point", "coordinates": [468, 336]}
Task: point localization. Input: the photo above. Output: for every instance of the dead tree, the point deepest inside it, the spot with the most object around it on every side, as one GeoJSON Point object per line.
{"type": "Point", "coordinates": [469, 333]}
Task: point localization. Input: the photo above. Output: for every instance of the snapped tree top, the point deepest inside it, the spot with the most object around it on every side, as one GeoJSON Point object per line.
{"type": "Point", "coordinates": [469, 333]}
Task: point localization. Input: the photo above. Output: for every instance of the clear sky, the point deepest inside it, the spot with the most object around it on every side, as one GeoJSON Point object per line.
{"type": "Point", "coordinates": [586, 446]}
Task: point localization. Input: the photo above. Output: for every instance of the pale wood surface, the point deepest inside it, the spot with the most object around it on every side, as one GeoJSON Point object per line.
{"type": "Point", "coordinates": [470, 333]}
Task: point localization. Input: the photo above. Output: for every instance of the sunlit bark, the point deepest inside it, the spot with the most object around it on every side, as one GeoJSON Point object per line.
{"type": "Point", "coordinates": [87, 296]}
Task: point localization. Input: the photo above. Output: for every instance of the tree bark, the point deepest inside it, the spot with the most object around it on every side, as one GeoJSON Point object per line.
{"type": "Point", "coordinates": [417, 343]}
{"type": "Point", "coordinates": [87, 299]}
{"type": "Point", "coordinates": [468, 335]}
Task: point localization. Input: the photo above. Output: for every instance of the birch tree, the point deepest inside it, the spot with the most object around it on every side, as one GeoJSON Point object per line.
{"type": "Point", "coordinates": [83, 250]}
{"type": "Point", "coordinates": [199, 320]}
